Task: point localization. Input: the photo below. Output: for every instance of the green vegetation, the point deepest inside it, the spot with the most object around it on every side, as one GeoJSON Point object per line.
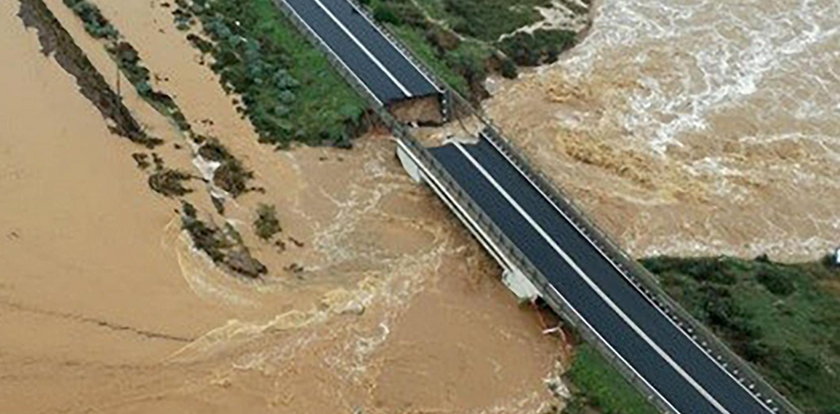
{"type": "Point", "coordinates": [223, 245]}
{"type": "Point", "coordinates": [541, 46]}
{"type": "Point", "coordinates": [169, 182]}
{"type": "Point", "coordinates": [266, 225]}
{"type": "Point", "coordinates": [599, 387]}
{"type": "Point", "coordinates": [231, 175]}
{"type": "Point", "coordinates": [783, 318]}
{"type": "Point", "coordinates": [56, 41]}
{"type": "Point", "coordinates": [127, 59]}
{"type": "Point", "coordinates": [464, 40]}
{"type": "Point", "coordinates": [95, 24]}
{"type": "Point", "coordinates": [289, 90]}
{"type": "Point", "coordinates": [489, 19]}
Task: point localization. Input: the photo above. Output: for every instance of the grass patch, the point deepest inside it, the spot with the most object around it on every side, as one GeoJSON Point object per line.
{"type": "Point", "coordinates": [782, 318]}
{"type": "Point", "coordinates": [288, 89]}
{"type": "Point", "coordinates": [600, 387]}
{"type": "Point", "coordinates": [463, 42]}
{"type": "Point", "coordinates": [489, 19]}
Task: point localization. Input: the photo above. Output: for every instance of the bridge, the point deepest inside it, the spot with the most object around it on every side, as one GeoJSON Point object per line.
{"type": "Point", "coordinates": [545, 246]}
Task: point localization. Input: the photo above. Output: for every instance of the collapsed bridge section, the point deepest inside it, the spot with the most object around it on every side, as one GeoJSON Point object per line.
{"type": "Point", "coordinates": [547, 248]}
{"type": "Point", "coordinates": [380, 67]}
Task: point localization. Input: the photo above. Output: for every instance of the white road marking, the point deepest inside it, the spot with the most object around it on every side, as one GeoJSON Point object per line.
{"type": "Point", "coordinates": [589, 281]}
{"type": "Point", "coordinates": [439, 188]}
{"type": "Point", "coordinates": [332, 52]}
{"type": "Point", "coordinates": [367, 52]}
{"type": "Point", "coordinates": [388, 38]}
{"type": "Point", "coordinates": [645, 294]}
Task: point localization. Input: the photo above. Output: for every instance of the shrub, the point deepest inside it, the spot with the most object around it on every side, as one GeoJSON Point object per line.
{"type": "Point", "coordinates": [509, 69]}
{"type": "Point", "coordinates": [231, 175]}
{"type": "Point", "coordinates": [95, 24]}
{"type": "Point", "coordinates": [383, 13]}
{"type": "Point", "coordinates": [169, 182]}
{"type": "Point", "coordinates": [223, 245]}
{"type": "Point", "coordinates": [541, 46]}
{"type": "Point", "coordinates": [777, 281]}
{"type": "Point", "coordinates": [266, 225]}
{"type": "Point", "coordinates": [261, 57]}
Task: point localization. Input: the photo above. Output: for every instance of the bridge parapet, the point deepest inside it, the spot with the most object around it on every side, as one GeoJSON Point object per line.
{"type": "Point", "coordinates": [511, 257]}
{"type": "Point", "coordinates": [648, 283]}
{"type": "Point", "coordinates": [473, 216]}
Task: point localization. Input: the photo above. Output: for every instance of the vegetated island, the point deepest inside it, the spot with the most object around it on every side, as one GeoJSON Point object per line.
{"type": "Point", "coordinates": [784, 319]}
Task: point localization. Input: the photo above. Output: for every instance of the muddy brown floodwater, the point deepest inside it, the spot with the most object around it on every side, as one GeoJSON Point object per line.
{"type": "Point", "coordinates": [690, 127]}
{"type": "Point", "coordinates": [378, 303]}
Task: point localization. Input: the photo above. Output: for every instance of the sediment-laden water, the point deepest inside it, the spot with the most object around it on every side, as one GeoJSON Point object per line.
{"type": "Point", "coordinates": [695, 127]}
{"type": "Point", "coordinates": [377, 301]}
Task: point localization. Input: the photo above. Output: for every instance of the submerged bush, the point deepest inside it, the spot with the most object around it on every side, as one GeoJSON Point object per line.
{"type": "Point", "coordinates": [266, 225]}
{"type": "Point", "coordinates": [95, 24]}
{"type": "Point", "coordinates": [169, 182]}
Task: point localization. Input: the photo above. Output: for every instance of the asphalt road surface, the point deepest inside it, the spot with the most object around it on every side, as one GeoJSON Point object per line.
{"type": "Point", "coordinates": [362, 48]}
{"type": "Point", "coordinates": [640, 334]}
{"type": "Point", "coordinates": [636, 330]}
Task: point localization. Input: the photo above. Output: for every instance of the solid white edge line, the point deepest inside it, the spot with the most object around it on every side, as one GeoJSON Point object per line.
{"type": "Point", "coordinates": [625, 276]}
{"type": "Point", "coordinates": [592, 284]}
{"type": "Point", "coordinates": [373, 58]}
{"type": "Point", "coordinates": [387, 38]}
{"type": "Point", "coordinates": [331, 51]}
{"type": "Point", "coordinates": [430, 176]}
{"type": "Point", "coordinates": [449, 200]}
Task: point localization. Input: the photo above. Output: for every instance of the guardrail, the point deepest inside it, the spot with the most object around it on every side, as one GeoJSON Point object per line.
{"type": "Point", "coordinates": [518, 258]}
{"type": "Point", "coordinates": [411, 57]}
{"type": "Point", "coordinates": [644, 280]}
{"type": "Point", "coordinates": [422, 154]}
{"type": "Point", "coordinates": [648, 283]}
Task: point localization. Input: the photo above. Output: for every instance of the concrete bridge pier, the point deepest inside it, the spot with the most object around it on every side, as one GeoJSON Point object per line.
{"type": "Point", "coordinates": [512, 277]}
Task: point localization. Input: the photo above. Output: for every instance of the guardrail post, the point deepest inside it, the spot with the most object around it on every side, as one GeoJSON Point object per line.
{"type": "Point", "coordinates": [453, 104]}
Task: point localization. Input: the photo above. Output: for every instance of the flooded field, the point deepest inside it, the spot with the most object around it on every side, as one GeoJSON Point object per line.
{"type": "Point", "coordinates": [685, 128]}
{"type": "Point", "coordinates": [375, 299]}
{"type": "Point", "coordinates": [694, 127]}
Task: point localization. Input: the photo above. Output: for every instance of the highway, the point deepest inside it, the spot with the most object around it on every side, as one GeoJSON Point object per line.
{"type": "Point", "coordinates": [348, 34]}
{"type": "Point", "coordinates": [643, 337]}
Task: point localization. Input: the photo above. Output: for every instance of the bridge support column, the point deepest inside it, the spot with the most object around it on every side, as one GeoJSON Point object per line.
{"type": "Point", "coordinates": [512, 277]}
{"type": "Point", "coordinates": [409, 165]}
{"type": "Point", "coordinates": [520, 285]}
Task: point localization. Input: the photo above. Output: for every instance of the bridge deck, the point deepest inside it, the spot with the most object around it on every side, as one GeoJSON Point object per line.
{"type": "Point", "coordinates": [658, 352]}
{"type": "Point", "coordinates": [363, 49]}
{"type": "Point", "coordinates": [633, 327]}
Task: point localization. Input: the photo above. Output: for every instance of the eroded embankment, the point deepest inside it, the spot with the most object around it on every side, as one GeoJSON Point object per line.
{"type": "Point", "coordinates": [56, 41]}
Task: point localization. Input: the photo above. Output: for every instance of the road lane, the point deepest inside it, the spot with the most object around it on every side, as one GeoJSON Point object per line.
{"type": "Point", "coordinates": [362, 49]}
{"type": "Point", "coordinates": [394, 59]}
{"type": "Point", "coordinates": [657, 325]}
{"type": "Point", "coordinates": [629, 345]}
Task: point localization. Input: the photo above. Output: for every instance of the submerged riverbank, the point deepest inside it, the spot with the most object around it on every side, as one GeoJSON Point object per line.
{"type": "Point", "coordinates": [363, 277]}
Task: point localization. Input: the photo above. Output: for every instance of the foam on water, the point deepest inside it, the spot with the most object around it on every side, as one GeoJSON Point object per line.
{"type": "Point", "coordinates": [696, 58]}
